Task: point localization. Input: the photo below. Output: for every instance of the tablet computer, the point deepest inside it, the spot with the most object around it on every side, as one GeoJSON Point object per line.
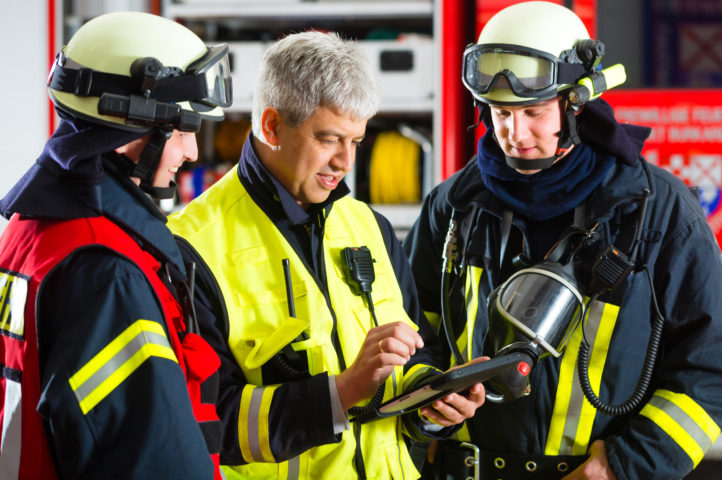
{"type": "Point", "coordinates": [435, 387]}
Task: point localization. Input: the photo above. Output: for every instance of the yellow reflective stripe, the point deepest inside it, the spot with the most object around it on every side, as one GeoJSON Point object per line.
{"type": "Point", "coordinates": [674, 430]}
{"type": "Point", "coordinates": [597, 359]}
{"type": "Point", "coordinates": [561, 404]}
{"type": "Point", "coordinates": [243, 423]}
{"type": "Point", "coordinates": [471, 295]}
{"type": "Point", "coordinates": [573, 416]}
{"type": "Point", "coordinates": [253, 435]}
{"type": "Point", "coordinates": [13, 296]}
{"type": "Point", "coordinates": [567, 373]}
{"type": "Point", "coordinates": [694, 410]}
{"type": "Point", "coordinates": [684, 421]}
{"type": "Point", "coordinates": [118, 360]}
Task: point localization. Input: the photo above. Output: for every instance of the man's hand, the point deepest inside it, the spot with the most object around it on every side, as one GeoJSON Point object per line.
{"type": "Point", "coordinates": [456, 407]}
{"type": "Point", "coordinates": [384, 348]}
{"type": "Point", "coordinates": [595, 467]}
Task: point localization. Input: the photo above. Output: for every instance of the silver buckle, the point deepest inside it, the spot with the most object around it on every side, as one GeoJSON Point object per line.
{"type": "Point", "coordinates": [472, 461]}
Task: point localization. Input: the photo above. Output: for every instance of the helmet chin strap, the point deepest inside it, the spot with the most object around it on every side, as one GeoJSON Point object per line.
{"type": "Point", "coordinates": [148, 164]}
{"type": "Point", "coordinates": [568, 137]}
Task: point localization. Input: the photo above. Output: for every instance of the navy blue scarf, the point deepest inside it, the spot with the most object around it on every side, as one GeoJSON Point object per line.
{"type": "Point", "coordinates": [547, 193]}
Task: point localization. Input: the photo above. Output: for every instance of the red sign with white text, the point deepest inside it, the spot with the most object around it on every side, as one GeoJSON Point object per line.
{"type": "Point", "coordinates": [686, 137]}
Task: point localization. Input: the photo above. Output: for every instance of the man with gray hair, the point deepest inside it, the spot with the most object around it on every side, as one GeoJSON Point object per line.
{"type": "Point", "coordinates": [287, 262]}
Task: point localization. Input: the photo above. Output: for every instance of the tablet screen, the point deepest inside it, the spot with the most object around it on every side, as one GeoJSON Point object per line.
{"type": "Point", "coordinates": [451, 381]}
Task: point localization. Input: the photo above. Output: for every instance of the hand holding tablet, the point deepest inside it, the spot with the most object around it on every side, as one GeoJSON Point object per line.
{"type": "Point", "coordinates": [454, 380]}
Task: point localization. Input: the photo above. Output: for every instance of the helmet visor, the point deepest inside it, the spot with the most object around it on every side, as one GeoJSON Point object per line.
{"type": "Point", "coordinates": [215, 68]}
{"type": "Point", "coordinates": [526, 72]}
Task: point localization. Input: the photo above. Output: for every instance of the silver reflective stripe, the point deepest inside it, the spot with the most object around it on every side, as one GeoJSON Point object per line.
{"type": "Point", "coordinates": [294, 468]}
{"type": "Point", "coordinates": [399, 455]}
{"type": "Point", "coordinates": [254, 413]}
{"type": "Point", "coordinates": [12, 431]}
{"type": "Point", "coordinates": [688, 424]}
{"type": "Point", "coordinates": [576, 400]}
{"type": "Point", "coordinates": [117, 361]}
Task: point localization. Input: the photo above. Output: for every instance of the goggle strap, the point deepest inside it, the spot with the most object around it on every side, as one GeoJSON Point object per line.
{"type": "Point", "coordinates": [86, 82]}
{"type": "Point", "coordinates": [178, 89]}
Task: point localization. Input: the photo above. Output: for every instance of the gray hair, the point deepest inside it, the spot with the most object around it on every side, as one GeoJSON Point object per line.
{"type": "Point", "coordinates": [308, 70]}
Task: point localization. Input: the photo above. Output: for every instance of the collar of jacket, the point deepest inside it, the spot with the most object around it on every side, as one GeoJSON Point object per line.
{"type": "Point", "coordinates": [272, 196]}
{"type": "Point", "coordinates": [127, 205]}
{"type": "Point", "coordinates": [622, 185]}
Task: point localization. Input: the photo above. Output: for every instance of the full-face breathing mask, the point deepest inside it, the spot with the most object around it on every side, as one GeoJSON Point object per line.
{"type": "Point", "coordinates": [534, 312]}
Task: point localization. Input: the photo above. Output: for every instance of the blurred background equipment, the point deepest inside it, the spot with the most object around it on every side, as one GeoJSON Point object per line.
{"type": "Point", "coordinates": [669, 48]}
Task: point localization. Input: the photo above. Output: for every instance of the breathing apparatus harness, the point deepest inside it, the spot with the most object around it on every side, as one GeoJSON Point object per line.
{"type": "Point", "coordinates": [583, 60]}
{"type": "Point", "coordinates": [149, 98]}
{"type": "Point", "coordinates": [540, 306]}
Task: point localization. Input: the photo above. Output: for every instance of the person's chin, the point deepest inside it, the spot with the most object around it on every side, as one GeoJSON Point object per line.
{"type": "Point", "coordinates": [319, 197]}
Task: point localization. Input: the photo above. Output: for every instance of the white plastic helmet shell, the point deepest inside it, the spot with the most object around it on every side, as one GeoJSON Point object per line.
{"type": "Point", "coordinates": [543, 26]}
{"type": "Point", "coordinates": [111, 42]}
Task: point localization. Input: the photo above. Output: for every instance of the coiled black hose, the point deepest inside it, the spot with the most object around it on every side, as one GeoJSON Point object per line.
{"type": "Point", "coordinates": [645, 377]}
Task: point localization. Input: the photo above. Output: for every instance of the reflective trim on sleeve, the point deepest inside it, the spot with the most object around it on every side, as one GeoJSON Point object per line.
{"type": "Point", "coordinates": [118, 360]}
{"type": "Point", "coordinates": [294, 468]}
{"type": "Point", "coordinates": [253, 434]}
{"type": "Point", "coordinates": [571, 424]}
{"type": "Point", "coordinates": [684, 420]}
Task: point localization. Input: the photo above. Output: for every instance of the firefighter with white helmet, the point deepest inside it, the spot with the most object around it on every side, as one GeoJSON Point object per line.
{"type": "Point", "coordinates": [104, 374]}
{"type": "Point", "coordinates": [559, 192]}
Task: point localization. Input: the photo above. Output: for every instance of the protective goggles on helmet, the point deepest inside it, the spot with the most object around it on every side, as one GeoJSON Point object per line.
{"type": "Point", "coordinates": [525, 71]}
{"type": "Point", "coordinates": [207, 81]}
{"type": "Point", "coordinates": [215, 68]}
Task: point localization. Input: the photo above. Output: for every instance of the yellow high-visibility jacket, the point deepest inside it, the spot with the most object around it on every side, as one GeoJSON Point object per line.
{"type": "Point", "coordinates": [244, 251]}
